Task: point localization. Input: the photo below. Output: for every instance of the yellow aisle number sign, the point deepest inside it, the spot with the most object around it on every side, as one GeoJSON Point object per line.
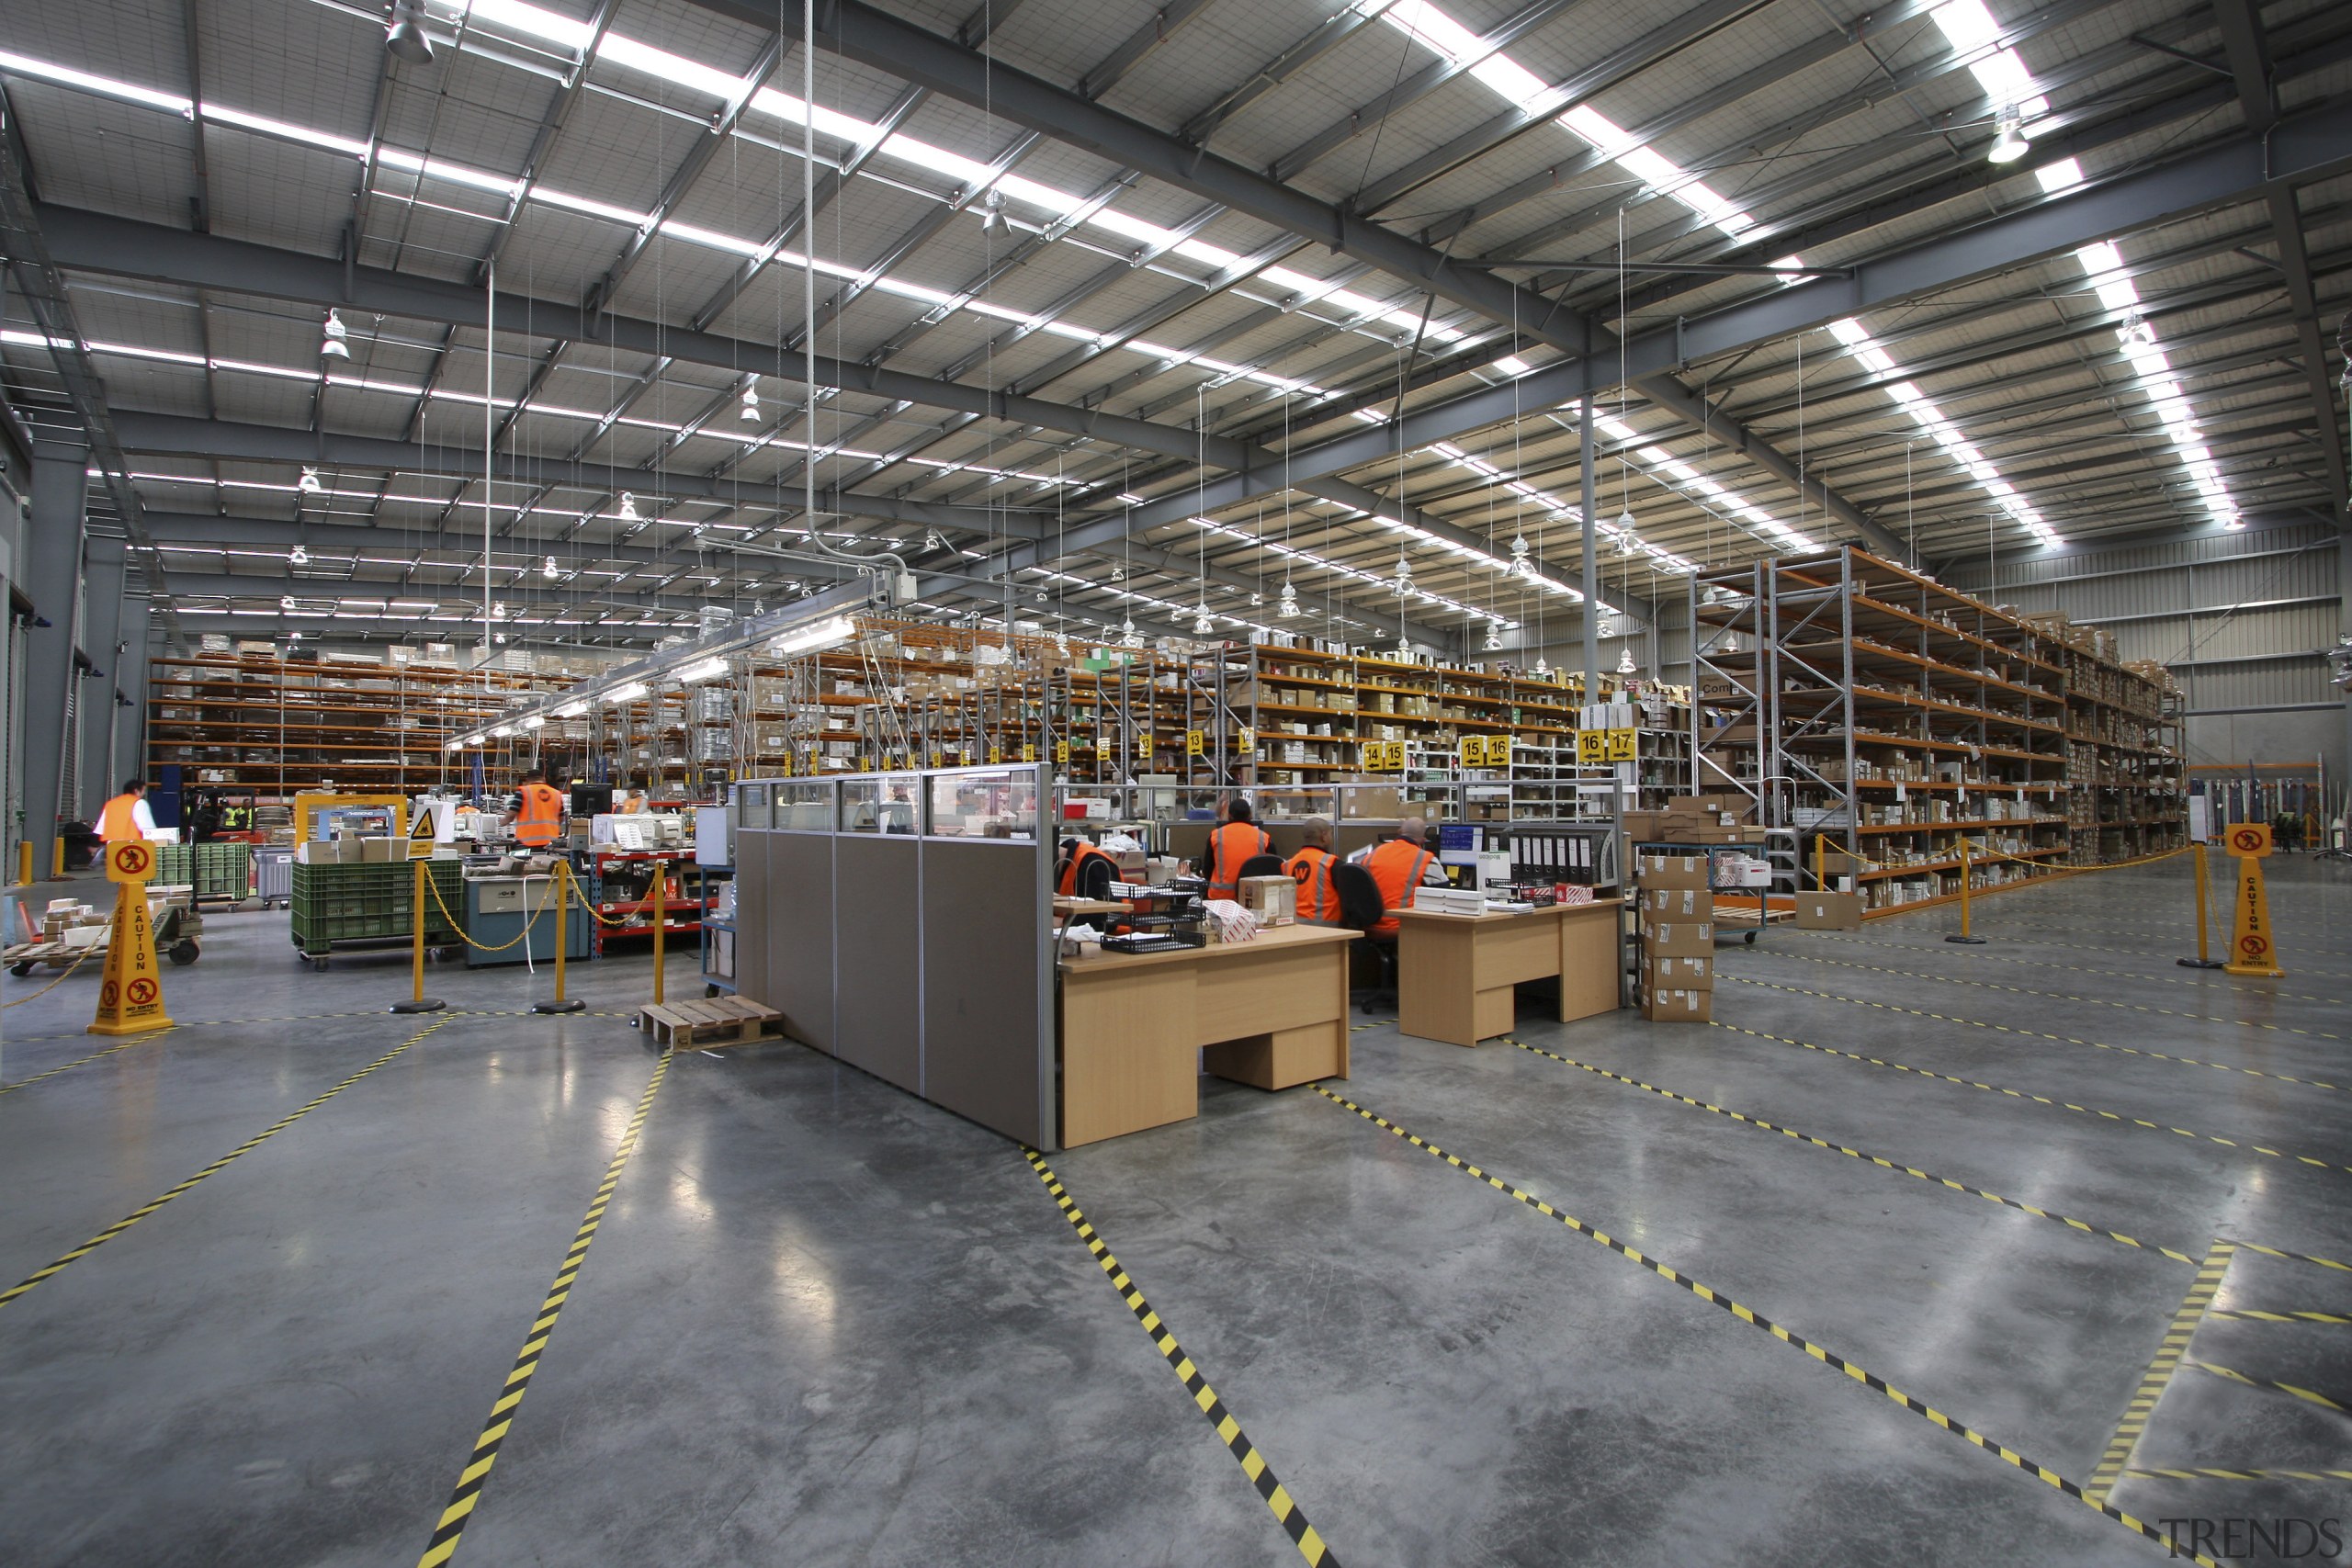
{"type": "Point", "coordinates": [131, 997]}
{"type": "Point", "coordinates": [2252, 949]}
{"type": "Point", "coordinates": [1195, 742]}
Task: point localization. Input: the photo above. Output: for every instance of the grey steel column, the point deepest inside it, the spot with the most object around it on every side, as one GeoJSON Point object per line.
{"type": "Point", "coordinates": [130, 723]}
{"type": "Point", "coordinates": [97, 778]}
{"type": "Point", "coordinates": [1592, 555]}
{"type": "Point", "coordinates": [52, 565]}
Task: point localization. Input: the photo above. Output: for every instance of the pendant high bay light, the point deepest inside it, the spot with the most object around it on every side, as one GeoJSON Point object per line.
{"type": "Point", "coordinates": [2010, 144]}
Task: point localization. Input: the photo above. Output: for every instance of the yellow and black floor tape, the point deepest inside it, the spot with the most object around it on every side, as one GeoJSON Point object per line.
{"type": "Point", "coordinates": [2057, 996]}
{"type": "Point", "coordinates": [1787, 1336]}
{"type": "Point", "coordinates": [2265, 1315]}
{"type": "Point", "coordinates": [237, 1153]}
{"type": "Point", "coordinates": [2211, 983]}
{"type": "Point", "coordinates": [2158, 1377]}
{"type": "Point", "coordinates": [2117, 1117]}
{"type": "Point", "coordinates": [2033, 1033]}
{"type": "Point", "coordinates": [1883, 1163]}
{"type": "Point", "coordinates": [450, 1529]}
{"type": "Point", "coordinates": [1287, 1511]}
{"type": "Point", "coordinates": [2307, 1396]}
{"type": "Point", "coordinates": [2216, 1472]}
{"type": "Point", "coordinates": [93, 1056]}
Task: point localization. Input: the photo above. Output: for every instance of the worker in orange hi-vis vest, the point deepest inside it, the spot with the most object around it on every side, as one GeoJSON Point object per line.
{"type": "Point", "coordinates": [128, 815]}
{"type": "Point", "coordinates": [1232, 846]}
{"type": "Point", "coordinates": [1318, 901]}
{"type": "Point", "coordinates": [537, 815]}
{"type": "Point", "coordinates": [1399, 866]}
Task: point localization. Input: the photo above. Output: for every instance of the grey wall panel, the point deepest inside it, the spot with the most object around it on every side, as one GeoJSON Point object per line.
{"type": "Point", "coordinates": [2240, 737]}
{"type": "Point", "coordinates": [750, 894]}
{"type": "Point", "coordinates": [800, 935]}
{"type": "Point", "coordinates": [985, 1043]}
{"type": "Point", "coordinates": [878, 989]}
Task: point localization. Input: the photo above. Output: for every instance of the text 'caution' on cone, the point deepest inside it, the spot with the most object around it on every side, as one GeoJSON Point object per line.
{"type": "Point", "coordinates": [130, 998]}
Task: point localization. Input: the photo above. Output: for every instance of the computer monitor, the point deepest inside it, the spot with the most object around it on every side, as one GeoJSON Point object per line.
{"type": "Point", "coordinates": [592, 799]}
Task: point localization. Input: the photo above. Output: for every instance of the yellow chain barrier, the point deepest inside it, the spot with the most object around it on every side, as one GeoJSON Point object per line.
{"type": "Point", "coordinates": [88, 954]}
{"type": "Point", "coordinates": [435, 888]}
{"type": "Point", "coordinates": [2076, 870]}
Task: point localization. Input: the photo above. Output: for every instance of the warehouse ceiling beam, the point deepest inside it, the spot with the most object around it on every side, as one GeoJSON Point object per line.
{"type": "Point", "coordinates": [179, 437]}
{"type": "Point", "coordinates": [918, 55]}
{"type": "Point", "coordinates": [2305, 147]}
{"type": "Point", "coordinates": [2247, 50]}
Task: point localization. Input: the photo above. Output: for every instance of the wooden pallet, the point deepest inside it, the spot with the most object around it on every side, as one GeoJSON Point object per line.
{"type": "Point", "coordinates": [722, 1021]}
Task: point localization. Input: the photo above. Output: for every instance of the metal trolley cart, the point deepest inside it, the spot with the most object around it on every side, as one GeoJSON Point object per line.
{"type": "Point", "coordinates": [1753, 849]}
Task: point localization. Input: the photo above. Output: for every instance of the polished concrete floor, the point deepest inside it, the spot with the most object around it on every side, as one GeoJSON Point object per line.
{"type": "Point", "coordinates": [822, 1323]}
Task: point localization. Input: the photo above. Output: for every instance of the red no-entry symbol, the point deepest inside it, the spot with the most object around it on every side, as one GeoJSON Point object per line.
{"type": "Point", "coordinates": [2254, 946]}
{"type": "Point", "coordinates": [143, 991]}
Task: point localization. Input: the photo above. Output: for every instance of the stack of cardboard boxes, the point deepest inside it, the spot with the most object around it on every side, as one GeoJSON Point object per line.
{"type": "Point", "coordinates": [1695, 819]}
{"type": "Point", "coordinates": [1837, 905]}
{"type": "Point", "coordinates": [1677, 929]}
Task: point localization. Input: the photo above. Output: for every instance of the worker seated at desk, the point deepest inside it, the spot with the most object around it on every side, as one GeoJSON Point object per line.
{"type": "Point", "coordinates": [1318, 901]}
{"type": "Point", "coordinates": [1085, 871]}
{"type": "Point", "coordinates": [1398, 865]}
{"type": "Point", "coordinates": [1233, 843]}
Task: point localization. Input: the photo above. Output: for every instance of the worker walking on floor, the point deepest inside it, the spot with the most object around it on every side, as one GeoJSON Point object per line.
{"type": "Point", "coordinates": [1231, 847]}
{"type": "Point", "coordinates": [1398, 865]}
{"type": "Point", "coordinates": [1311, 869]}
{"type": "Point", "coordinates": [128, 815]}
{"type": "Point", "coordinates": [537, 815]}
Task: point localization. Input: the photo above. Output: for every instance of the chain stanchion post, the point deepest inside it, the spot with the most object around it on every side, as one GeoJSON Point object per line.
{"type": "Point", "coordinates": [562, 890]}
{"type": "Point", "coordinates": [1964, 934]}
{"type": "Point", "coordinates": [2200, 960]}
{"type": "Point", "coordinates": [661, 924]}
{"type": "Point", "coordinates": [416, 1000]}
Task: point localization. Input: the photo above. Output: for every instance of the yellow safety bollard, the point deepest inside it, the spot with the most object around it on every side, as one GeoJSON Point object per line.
{"type": "Point", "coordinates": [24, 863]}
{"type": "Point", "coordinates": [57, 859]}
{"type": "Point", "coordinates": [416, 1000]}
{"type": "Point", "coordinates": [564, 886]}
{"type": "Point", "coordinates": [661, 925]}
{"type": "Point", "coordinates": [2200, 960]}
{"type": "Point", "coordinates": [1964, 934]}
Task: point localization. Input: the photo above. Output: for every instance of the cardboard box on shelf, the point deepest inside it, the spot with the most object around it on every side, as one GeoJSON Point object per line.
{"type": "Point", "coordinates": [1643, 827]}
{"type": "Point", "coordinates": [1829, 911]}
{"type": "Point", "coordinates": [1678, 939]}
{"type": "Point", "coordinates": [1677, 1006]}
{"type": "Point", "coordinates": [1673, 871]}
{"type": "Point", "coordinates": [1274, 900]}
{"type": "Point", "coordinates": [1377, 804]}
{"type": "Point", "coordinates": [1676, 903]}
{"type": "Point", "coordinates": [1667, 972]}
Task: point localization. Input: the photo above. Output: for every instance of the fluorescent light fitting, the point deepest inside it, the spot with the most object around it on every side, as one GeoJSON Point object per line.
{"type": "Point", "coordinates": [627, 692]}
{"type": "Point", "coordinates": [815, 637]}
{"type": "Point", "coordinates": [537, 721]}
{"type": "Point", "coordinates": [710, 669]}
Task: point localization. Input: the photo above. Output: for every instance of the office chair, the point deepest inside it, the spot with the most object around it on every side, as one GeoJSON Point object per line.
{"type": "Point", "coordinates": [1360, 911]}
{"type": "Point", "coordinates": [1261, 865]}
{"type": "Point", "coordinates": [1093, 881]}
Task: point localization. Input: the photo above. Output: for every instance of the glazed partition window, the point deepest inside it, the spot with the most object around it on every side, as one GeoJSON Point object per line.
{"type": "Point", "coordinates": [901, 922]}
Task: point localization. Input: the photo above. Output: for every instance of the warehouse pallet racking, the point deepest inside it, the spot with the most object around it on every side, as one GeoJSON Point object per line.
{"type": "Point", "coordinates": [1871, 708]}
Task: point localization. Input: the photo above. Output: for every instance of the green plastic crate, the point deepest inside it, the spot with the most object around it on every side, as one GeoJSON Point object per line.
{"type": "Point", "coordinates": [369, 902]}
{"type": "Point", "coordinates": [215, 871]}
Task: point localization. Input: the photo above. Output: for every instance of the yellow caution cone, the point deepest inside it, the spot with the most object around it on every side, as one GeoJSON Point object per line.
{"type": "Point", "coordinates": [130, 998]}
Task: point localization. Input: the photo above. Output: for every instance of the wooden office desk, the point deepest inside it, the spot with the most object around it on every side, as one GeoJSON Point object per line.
{"type": "Point", "coordinates": [1456, 974]}
{"type": "Point", "coordinates": [1272, 1012]}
